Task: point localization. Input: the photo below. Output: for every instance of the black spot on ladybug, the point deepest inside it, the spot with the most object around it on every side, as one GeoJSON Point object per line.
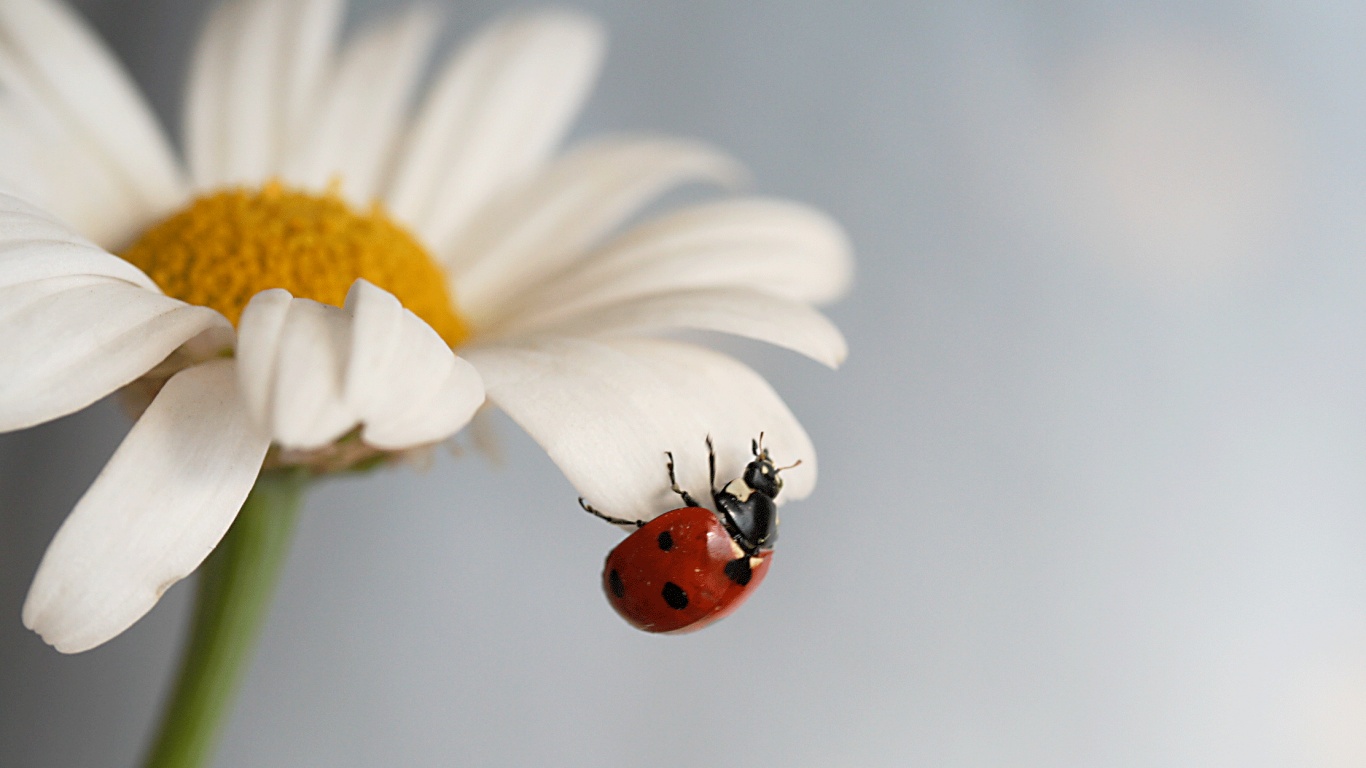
{"type": "Point", "coordinates": [614, 581]}
{"type": "Point", "coordinates": [675, 596]}
{"type": "Point", "coordinates": [666, 541]}
{"type": "Point", "coordinates": [738, 571]}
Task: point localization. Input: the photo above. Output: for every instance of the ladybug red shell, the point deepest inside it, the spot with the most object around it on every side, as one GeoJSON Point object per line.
{"type": "Point", "coordinates": [680, 572]}
{"type": "Point", "coordinates": [691, 566]}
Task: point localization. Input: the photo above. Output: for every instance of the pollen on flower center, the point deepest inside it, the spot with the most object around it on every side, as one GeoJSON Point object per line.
{"type": "Point", "coordinates": [228, 246]}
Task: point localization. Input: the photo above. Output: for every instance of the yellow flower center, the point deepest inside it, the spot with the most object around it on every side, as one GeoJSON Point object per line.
{"type": "Point", "coordinates": [226, 247]}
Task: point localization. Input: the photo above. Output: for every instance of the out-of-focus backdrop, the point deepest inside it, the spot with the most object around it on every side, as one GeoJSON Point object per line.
{"type": "Point", "coordinates": [1093, 481]}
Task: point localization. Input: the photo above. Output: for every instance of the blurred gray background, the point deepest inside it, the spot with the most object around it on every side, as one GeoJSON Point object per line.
{"type": "Point", "coordinates": [1093, 480]}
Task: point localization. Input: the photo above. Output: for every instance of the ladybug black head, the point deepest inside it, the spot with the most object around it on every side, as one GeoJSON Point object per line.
{"type": "Point", "coordinates": [761, 474]}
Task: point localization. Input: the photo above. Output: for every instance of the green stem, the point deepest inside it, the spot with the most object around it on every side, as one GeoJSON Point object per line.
{"type": "Point", "coordinates": [235, 586]}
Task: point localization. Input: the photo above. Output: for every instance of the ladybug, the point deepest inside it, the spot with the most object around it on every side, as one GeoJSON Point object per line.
{"type": "Point", "coordinates": [691, 566]}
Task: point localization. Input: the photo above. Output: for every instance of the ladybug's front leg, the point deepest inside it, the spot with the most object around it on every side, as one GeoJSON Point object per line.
{"type": "Point", "coordinates": [609, 518]}
{"type": "Point", "coordinates": [673, 483]}
{"type": "Point", "coordinates": [711, 465]}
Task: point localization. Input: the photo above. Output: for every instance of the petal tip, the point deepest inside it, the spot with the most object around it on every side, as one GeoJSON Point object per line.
{"type": "Point", "coordinates": [38, 615]}
{"type": "Point", "coordinates": [838, 353]}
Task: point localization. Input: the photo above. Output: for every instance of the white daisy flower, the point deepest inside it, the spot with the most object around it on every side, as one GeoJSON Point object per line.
{"type": "Point", "coordinates": [291, 294]}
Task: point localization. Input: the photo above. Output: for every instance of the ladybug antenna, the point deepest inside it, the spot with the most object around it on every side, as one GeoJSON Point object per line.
{"type": "Point", "coordinates": [796, 463]}
{"type": "Point", "coordinates": [758, 447]}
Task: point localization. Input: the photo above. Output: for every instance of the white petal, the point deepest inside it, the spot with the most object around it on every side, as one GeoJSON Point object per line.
{"type": "Point", "coordinates": [313, 372]}
{"type": "Point", "coordinates": [606, 411]}
{"type": "Point", "coordinates": [497, 111]}
{"type": "Point", "coordinates": [41, 161]}
{"type": "Point", "coordinates": [206, 97]}
{"type": "Point", "coordinates": [253, 109]}
{"type": "Point", "coordinates": [353, 136]}
{"type": "Point", "coordinates": [33, 247]}
{"type": "Point", "coordinates": [76, 323]}
{"type": "Point", "coordinates": [258, 350]}
{"type": "Point", "coordinates": [309, 54]}
{"type": "Point", "coordinates": [251, 116]}
{"type": "Point", "coordinates": [739, 404]}
{"type": "Point", "coordinates": [402, 381]}
{"type": "Point", "coordinates": [68, 341]}
{"type": "Point", "coordinates": [533, 231]}
{"type": "Point", "coordinates": [303, 384]}
{"type": "Point", "coordinates": [50, 160]}
{"type": "Point", "coordinates": [738, 311]}
{"type": "Point", "coordinates": [774, 246]}
{"type": "Point", "coordinates": [17, 211]}
{"type": "Point", "coordinates": [255, 81]}
{"type": "Point", "coordinates": [158, 508]}
{"type": "Point", "coordinates": [84, 83]}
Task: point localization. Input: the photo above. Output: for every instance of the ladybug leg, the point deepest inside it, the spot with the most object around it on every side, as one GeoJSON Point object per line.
{"type": "Point", "coordinates": [609, 518]}
{"type": "Point", "coordinates": [711, 464]}
{"type": "Point", "coordinates": [673, 483]}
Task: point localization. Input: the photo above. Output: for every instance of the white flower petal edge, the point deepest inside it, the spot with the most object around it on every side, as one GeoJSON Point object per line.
{"type": "Point", "coordinates": [311, 372]}
{"type": "Point", "coordinates": [533, 231]}
{"type": "Point", "coordinates": [158, 508]}
{"type": "Point", "coordinates": [606, 411]}
{"type": "Point", "coordinates": [498, 109]}
{"type": "Point", "coordinates": [739, 311]}
{"type": "Point", "coordinates": [77, 323]}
